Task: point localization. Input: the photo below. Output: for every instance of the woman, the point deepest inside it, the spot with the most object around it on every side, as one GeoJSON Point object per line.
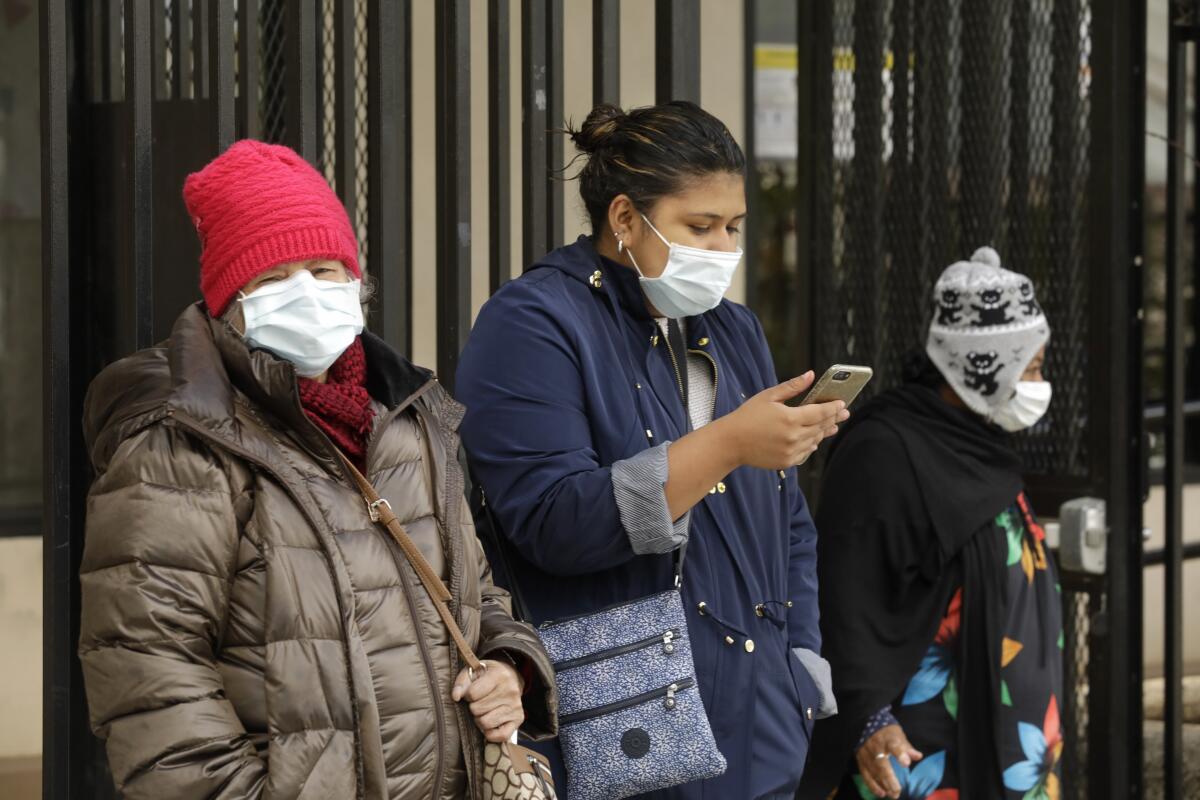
{"type": "Point", "coordinates": [247, 630]}
{"type": "Point", "coordinates": [939, 606]}
{"type": "Point", "coordinates": [619, 410]}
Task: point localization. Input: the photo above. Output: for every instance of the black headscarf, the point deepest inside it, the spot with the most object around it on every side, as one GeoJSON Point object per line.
{"type": "Point", "coordinates": [910, 483]}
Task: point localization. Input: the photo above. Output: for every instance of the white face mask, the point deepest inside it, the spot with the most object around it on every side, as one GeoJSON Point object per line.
{"type": "Point", "coordinates": [1029, 404]}
{"type": "Point", "coordinates": [306, 321]}
{"type": "Point", "coordinates": [693, 281]}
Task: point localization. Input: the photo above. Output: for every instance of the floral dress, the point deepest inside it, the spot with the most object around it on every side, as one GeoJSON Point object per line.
{"type": "Point", "coordinates": [1030, 687]}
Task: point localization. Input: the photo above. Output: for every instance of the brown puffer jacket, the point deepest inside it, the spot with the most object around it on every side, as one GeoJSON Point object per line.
{"type": "Point", "coordinates": [247, 631]}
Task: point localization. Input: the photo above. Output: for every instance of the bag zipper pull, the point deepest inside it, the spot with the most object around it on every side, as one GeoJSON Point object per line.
{"type": "Point", "coordinates": [669, 703]}
{"type": "Point", "coordinates": [668, 644]}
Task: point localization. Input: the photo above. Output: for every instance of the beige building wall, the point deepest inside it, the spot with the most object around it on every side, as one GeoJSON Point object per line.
{"type": "Point", "coordinates": [721, 81]}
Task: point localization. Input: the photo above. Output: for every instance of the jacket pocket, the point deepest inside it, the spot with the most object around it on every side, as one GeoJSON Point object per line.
{"type": "Point", "coordinates": [807, 693]}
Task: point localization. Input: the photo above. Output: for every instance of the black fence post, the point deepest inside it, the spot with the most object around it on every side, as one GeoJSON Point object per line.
{"type": "Point", "coordinates": [301, 51]}
{"type": "Point", "coordinates": [221, 78]}
{"type": "Point", "coordinates": [1180, 37]}
{"type": "Point", "coordinates": [453, 111]}
{"type": "Point", "coordinates": [345, 112]}
{"type": "Point", "coordinates": [389, 154]}
{"type": "Point", "coordinates": [499, 141]}
{"type": "Point", "coordinates": [1114, 256]}
{"type": "Point", "coordinates": [677, 50]}
{"type": "Point", "coordinates": [139, 97]}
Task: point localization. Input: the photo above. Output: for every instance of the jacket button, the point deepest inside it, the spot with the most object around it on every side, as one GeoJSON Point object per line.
{"type": "Point", "coordinates": [597, 279]}
{"type": "Point", "coordinates": [654, 340]}
{"type": "Point", "coordinates": [721, 487]}
{"type": "Point", "coordinates": [638, 385]}
{"type": "Point", "coordinates": [728, 640]}
{"type": "Point", "coordinates": [712, 490]}
{"type": "Point", "coordinates": [759, 611]}
{"type": "Point", "coordinates": [782, 474]}
{"type": "Point", "coordinates": [702, 608]}
{"type": "Point", "coordinates": [808, 712]}
{"type": "Point", "coordinates": [703, 341]}
{"type": "Point", "coordinates": [649, 433]}
{"type": "Point", "coordinates": [749, 645]}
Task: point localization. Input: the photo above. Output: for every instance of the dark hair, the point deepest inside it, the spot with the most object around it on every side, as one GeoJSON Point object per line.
{"type": "Point", "coordinates": [647, 153]}
{"type": "Point", "coordinates": [917, 367]}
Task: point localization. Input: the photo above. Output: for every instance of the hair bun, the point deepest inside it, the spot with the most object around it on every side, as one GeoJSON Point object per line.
{"type": "Point", "coordinates": [601, 123]}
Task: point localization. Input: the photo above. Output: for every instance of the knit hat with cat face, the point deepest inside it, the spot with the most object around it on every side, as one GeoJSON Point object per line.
{"type": "Point", "coordinates": [987, 327]}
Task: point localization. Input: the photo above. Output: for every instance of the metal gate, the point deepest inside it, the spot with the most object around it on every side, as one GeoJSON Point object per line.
{"type": "Point", "coordinates": [938, 126]}
{"type": "Point", "coordinates": [138, 93]}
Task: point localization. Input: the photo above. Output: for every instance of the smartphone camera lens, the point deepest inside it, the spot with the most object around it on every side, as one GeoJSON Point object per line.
{"type": "Point", "coordinates": [841, 375]}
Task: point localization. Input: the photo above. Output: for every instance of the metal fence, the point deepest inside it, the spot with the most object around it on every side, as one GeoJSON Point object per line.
{"type": "Point", "coordinates": [939, 126]}
{"type": "Point", "coordinates": [928, 127]}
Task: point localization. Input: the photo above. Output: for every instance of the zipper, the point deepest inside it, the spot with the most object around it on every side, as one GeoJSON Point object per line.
{"type": "Point", "coordinates": [439, 713]}
{"type": "Point", "coordinates": [667, 693]}
{"type": "Point", "coordinates": [716, 381]}
{"type": "Point", "coordinates": [422, 645]}
{"type": "Point", "coordinates": [675, 364]}
{"type": "Point", "coordinates": [667, 639]}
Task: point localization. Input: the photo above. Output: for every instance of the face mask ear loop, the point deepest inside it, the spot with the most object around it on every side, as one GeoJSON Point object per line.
{"type": "Point", "coordinates": [656, 233]}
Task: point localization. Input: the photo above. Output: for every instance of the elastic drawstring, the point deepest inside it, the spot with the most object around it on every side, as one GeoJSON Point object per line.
{"type": "Point", "coordinates": [766, 610]}
{"type": "Point", "coordinates": [706, 611]}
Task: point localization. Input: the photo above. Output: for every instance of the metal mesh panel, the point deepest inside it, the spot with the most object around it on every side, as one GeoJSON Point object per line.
{"type": "Point", "coordinates": [328, 67]}
{"type": "Point", "coordinates": [168, 47]}
{"type": "Point", "coordinates": [361, 130]}
{"type": "Point", "coordinates": [954, 124]}
{"type": "Point", "coordinates": [273, 71]}
{"type": "Point", "coordinates": [1077, 614]}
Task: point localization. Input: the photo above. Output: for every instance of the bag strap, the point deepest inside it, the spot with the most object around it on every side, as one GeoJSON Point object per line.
{"type": "Point", "coordinates": [381, 512]}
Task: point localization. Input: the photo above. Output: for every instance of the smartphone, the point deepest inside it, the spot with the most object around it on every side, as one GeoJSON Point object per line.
{"type": "Point", "coordinates": [840, 382]}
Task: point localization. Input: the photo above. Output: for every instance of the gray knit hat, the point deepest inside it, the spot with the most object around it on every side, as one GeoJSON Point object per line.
{"type": "Point", "coordinates": [987, 327]}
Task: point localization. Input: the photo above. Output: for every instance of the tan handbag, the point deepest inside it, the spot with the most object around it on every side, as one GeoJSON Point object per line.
{"type": "Point", "coordinates": [510, 771]}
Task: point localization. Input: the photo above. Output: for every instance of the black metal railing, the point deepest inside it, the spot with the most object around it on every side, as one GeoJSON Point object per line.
{"type": "Point", "coordinates": [135, 95]}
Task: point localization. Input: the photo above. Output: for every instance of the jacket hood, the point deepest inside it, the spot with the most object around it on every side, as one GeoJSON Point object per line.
{"type": "Point", "coordinates": [199, 371]}
{"type": "Point", "coordinates": [580, 262]}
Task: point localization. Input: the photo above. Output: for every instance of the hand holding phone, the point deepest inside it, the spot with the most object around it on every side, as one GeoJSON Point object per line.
{"type": "Point", "coordinates": [767, 433]}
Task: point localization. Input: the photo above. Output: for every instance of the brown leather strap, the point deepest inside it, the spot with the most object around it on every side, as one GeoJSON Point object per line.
{"type": "Point", "coordinates": [381, 511]}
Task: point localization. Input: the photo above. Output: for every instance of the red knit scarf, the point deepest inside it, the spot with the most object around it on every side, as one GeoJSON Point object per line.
{"type": "Point", "coordinates": [341, 406]}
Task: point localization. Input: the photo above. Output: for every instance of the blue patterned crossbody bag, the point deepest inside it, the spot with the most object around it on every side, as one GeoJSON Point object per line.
{"type": "Point", "coordinates": [630, 717]}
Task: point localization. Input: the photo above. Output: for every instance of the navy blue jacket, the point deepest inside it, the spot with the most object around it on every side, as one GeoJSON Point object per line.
{"type": "Point", "coordinates": [564, 374]}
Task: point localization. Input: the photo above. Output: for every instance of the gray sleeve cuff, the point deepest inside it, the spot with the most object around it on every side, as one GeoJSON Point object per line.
{"type": "Point", "coordinates": [818, 670]}
{"type": "Point", "coordinates": [639, 487]}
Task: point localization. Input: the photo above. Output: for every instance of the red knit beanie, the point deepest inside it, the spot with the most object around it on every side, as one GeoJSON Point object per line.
{"type": "Point", "coordinates": [257, 206]}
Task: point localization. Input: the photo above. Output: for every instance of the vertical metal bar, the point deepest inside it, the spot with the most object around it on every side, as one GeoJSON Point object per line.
{"type": "Point", "coordinates": [534, 145]}
{"type": "Point", "coordinates": [677, 50]}
{"type": "Point", "coordinates": [140, 137]}
{"type": "Point", "coordinates": [1173, 422]}
{"type": "Point", "coordinates": [555, 120]}
{"type": "Point", "coordinates": [1114, 187]}
{"type": "Point", "coordinates": [749, 95]}
{"type": "Point", "coordinates": [249, 123]}
{"type": "Point", "coordinates": [158, 51]}
{"type": "Point", "coordinates": [200, 47]}
{"type": "Point", "coordinates": [301, 77]}
{"type": "Point", "coordinates": [113, 35]}
{"type": "Point", "coordinates": [221, 78]}
{"type": "Point", "coordinates": [181, 48]}
{"type": "Point", "coordinates": [346, 162]}
{"type": "Point", "coordinates": [606, 52]}
{"type": "Point", "coordinates": [93, 51]}
{"type": "Point", "coordinates": [453, 112]}
{"type": "Point", "coordinates": [500, 125]}
{"type": "Point", "coordinates": [64, 711]}
{"type": "Point", "coordinates": [389, 114]}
